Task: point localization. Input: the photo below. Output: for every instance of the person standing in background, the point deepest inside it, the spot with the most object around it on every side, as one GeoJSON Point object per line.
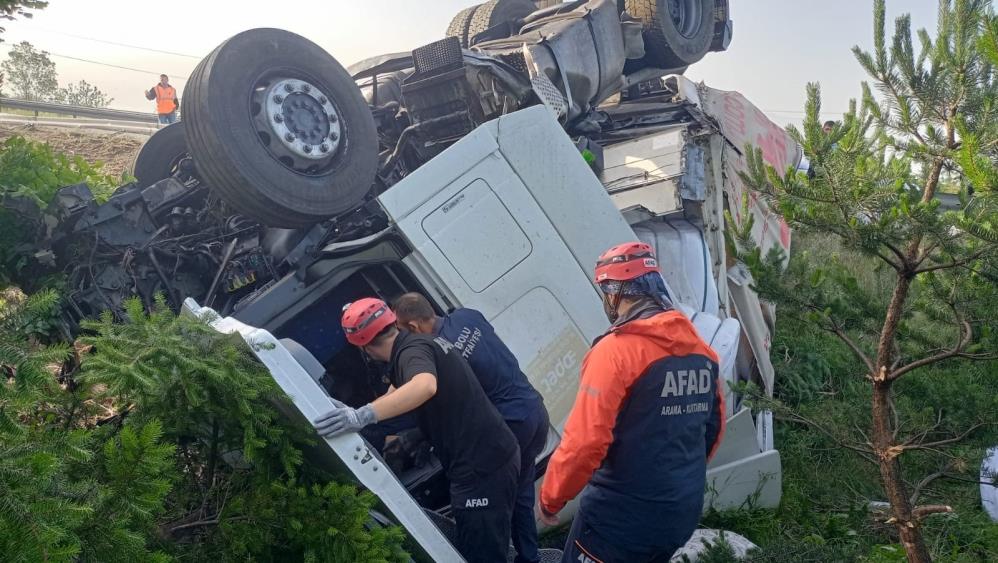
{"type": "Point", "coordinates": [167, 103]}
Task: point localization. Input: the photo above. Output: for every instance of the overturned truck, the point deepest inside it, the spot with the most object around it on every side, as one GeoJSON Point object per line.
{"type": "Point", "coordinates": [525, 138]}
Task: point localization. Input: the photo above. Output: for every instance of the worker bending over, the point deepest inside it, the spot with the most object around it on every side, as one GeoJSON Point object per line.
{"type": "Point", "coordinates": [648, 416]}
{"type": "Point", "coordinates": [430, 378]}
{"type": "Point", "coordinates": [505, 384]}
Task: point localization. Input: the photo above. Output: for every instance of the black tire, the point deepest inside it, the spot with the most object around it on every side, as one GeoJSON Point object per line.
{"type": "Point", "coordinates": [495, 12]}
{"type": "Point", "coordinates": [240, 158]}
{"type": "Point", "coordinates": [459, 25]}
{"type": "Point", "coordinates": [673, 42]}
{"type": "Point", "coordinates": [159, 156]}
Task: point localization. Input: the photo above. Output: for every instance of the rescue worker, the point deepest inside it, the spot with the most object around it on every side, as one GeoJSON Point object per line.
{"type": "Point", "coordinates": [478, 452]}
{"type": "Point", "coordinates": [167, 103]}
{"type": "Point", "coordinates": [648, 416]}
{"type": "Point", "coordinates": [520, 405]}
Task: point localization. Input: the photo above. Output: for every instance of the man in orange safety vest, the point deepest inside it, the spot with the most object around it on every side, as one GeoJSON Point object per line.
{"type": "Point", "coordinates": [167, 103]}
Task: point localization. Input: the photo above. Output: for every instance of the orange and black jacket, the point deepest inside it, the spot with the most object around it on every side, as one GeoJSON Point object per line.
{"type": "Point", "coordinates": [648, 416]}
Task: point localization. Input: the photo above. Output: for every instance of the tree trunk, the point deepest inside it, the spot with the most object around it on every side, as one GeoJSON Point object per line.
{"type": "Point", "coordinates": [885, 348]}
{"type": "Point", "coordinates": [882, 435]}
{"type": "Point", "coordinates": [908, 527]}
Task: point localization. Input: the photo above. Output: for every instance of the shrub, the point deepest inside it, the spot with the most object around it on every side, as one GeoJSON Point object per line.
{"type": "Point", "coordinates": [245, 491]}
{"type": "Point", "coordinates": [69, 491]}
{"type": "Point", "coordinates": [160, 438]}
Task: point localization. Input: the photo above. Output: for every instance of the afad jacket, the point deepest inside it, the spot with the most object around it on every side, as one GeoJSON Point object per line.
{"type": "Point", "coordinates": [648, 416]}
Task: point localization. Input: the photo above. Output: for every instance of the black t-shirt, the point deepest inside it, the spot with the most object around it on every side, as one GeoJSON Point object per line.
{"type": "Point", "coordinates": [466, 431]}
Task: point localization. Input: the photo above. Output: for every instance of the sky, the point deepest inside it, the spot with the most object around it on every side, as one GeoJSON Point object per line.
{"type": "Point", "coordinates": [778, 47]}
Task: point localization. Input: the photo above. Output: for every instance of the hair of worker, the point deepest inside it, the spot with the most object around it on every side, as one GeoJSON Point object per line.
{"type": "Point", "coordinates": [413, 307]}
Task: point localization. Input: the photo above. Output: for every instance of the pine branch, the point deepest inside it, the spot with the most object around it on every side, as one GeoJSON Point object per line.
{"type": "Point", "coordinates": [928, 480]}
{"type": "Point", "coordinates": [956, 351]}
{"type": "Point", "coordinates": [856, 350]}
{"type": "Point", "coordinates": [945, 442]}
{"type": "Point", "coordinates": [921, 512]}
{"type": "Point", "coordinates": [953, 263]}
{"type": "Point", "coordinates": [864, 452]}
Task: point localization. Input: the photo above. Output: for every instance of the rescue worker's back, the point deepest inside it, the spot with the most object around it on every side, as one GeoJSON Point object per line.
{"type": "Point", "coordinates": [651, 412]}
{"type": "Point", "coordinates": [648, 415]}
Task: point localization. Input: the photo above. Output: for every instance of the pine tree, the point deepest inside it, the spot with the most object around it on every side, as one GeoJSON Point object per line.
{"type": "Point", "coordinates": [917, 287]}
{"type": "Point", "coordinates": [68, 490]}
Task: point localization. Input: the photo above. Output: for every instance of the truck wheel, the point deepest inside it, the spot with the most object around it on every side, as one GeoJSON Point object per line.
{"type": "Point", "coordinates": [279, 129]}
{"type": "Point", "coordinates": [459, 25]}
{"type": "Point", "coordinates": [160, 155]}
{"type": "Point", "coordinates": [495, 12]}
{"type": "Point", "coordinates": [677, 33]}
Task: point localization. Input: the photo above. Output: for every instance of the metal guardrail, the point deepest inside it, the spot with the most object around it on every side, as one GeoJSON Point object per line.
{"type": "Point", "coordinates": [77, 111]}
{"type": "Point", "coordinates": [113, 126]}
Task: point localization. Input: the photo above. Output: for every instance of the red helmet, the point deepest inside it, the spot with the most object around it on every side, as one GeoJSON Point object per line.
{"type": "Point", "coordinates": [625, 262]}
{"type": "Point", "coordinates": [364, 319]}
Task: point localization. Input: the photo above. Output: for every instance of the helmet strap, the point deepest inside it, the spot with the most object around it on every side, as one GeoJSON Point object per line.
{"type": "Point", "coordinates": [611, 303]}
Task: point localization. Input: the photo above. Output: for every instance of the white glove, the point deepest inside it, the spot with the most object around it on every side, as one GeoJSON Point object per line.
{"type": "Point", "coordinates": [342, 419]}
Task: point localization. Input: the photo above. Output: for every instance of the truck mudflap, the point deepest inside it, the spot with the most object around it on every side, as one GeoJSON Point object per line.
{"type": "Point", "coordinates": [358, 459]}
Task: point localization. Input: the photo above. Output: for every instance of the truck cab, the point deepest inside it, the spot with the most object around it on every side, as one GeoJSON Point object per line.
{"type": "Point", "coordinates": [496, 224]}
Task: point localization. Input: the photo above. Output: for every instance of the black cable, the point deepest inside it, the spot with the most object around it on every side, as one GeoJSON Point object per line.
{"type": "Point", "coordinates": [139, 47]}
{"type": "Point", "coordinates": [110, 65]}
{"type": "Point", "coordinates": [142, 70]}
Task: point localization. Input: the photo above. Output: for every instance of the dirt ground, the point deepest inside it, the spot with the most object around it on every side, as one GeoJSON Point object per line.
{"type": "Point", "coordinates": [116, 150]}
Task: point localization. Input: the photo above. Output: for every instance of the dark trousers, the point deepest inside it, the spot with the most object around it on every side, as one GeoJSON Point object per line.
{"type": "Point", "coordinates": [531, 434]}
{"type": "Point", "coordinates": [586, 545]}
{"type": "Point", "coordinates": [483, 509]}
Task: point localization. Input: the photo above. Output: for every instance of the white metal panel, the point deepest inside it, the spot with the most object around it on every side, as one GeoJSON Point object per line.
{"type": "Point", "coordinates": [355, 453]}
{"type": "Point", "coordinates": [723, 337]}
{"type": "Point", "coordinates": [554, 359]}
{"type": "Point", "coordinates": [570, 195]}
{"type": "Point", "coordinates": [656, 199]}
{"type": "Point", "coordinates": [989, 483]}
{"type": "Point", "coordinates": [757, 477]}
{"type": "Point", "coordinates": [738, 442]}
{"type": "Point", "coordinates": [764, 429]}
{"type": "Point", "coordinates": [453, 163]}
{"type": "Point", "coordinates": [470, 220]}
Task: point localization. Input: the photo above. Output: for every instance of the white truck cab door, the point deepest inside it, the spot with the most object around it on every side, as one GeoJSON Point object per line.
{"type": "Point", "coordinates": [510, 221]}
